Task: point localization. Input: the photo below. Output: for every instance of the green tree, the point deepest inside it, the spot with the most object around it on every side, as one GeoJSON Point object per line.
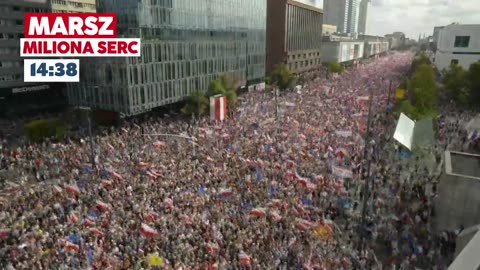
{"type": "Point", "coordinates": [197, 104]}
{"type": "Point", "coordinates": [424, 89]}
{"type": "Point", "coordinates": [226, 86]}
{"type": "Point", "coordinates": [455, 81]}
{"type": "Point", "coordinates": [408, 109]}
{"type": "Point", "coordinates": [282, 77]}
{"type": "Point", "coordinates": [335, 67]}
{"type": "Point", "coordinates": [474, 83]}
{"type": "Point", "coordinates": [39, 130]}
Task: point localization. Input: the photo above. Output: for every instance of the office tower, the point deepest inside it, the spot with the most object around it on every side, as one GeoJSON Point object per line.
{"type": "Point", "coordinates": [185, 45]}
{"type": "Point", "coordinates": [294, 32]}
{"type": "Point", "coordinates": [342, 13]}
{"type": "Point", "coordinates": [16, 96]}
{"type": "Point", "coordinates": [363, 17]}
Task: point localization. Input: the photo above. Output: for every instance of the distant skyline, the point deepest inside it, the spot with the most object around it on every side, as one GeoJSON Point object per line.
{"type": "Point", "coordinates": [417, 17]}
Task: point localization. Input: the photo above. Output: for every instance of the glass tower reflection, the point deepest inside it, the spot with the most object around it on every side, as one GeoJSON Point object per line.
{"type": "Point", "coordinates": [185, 45]}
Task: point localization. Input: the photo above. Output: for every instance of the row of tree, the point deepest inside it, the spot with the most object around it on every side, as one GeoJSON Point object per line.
{"type": "Point", "coordinates": [282, 78]}
{"type": "Point", "coordinates": [421, 100]}
{"type": "Point", "coordinates": [463, 86]}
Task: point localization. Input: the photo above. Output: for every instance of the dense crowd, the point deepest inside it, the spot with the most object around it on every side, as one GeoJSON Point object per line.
{"type": "Point", "coordinates": [257, 191]}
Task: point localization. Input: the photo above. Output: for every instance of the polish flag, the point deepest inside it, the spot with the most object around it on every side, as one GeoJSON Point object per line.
{"type": "Point", "coordinates": [102, 206]}
{"type": "Point", "coordinates": [148, 231]}
{"type": "Point", "coordinates": [142, 165]}
{"type": "Point", "coordinates": [73, 189]}
{"type": "Point", "coordinates": [157, 174]}
{"type": "Point", "coordinates": [225, 192]}
{"type": "Point", "coordinates": [302, 137]}
{"type": "Point", "coordinates": [116, 175]}
{"type": "Point", "coordinates": [168, 203]}
{"type": "Point", "coordinates": [96, 232]}
{"type": "Point", "coordinates": [244, 258]}
{"type": "Point", "coordinates": [152, 175]}
{"type": "Point", "coordinates": [152, 217]}
{"type": "Point", "coordinates": [88, 222]}
{"type": "Point", "coordinates": [276, 203]}
{"type": "Point", "coordinates": [72, 218]}
{"type": "Point", "coordinates": [69, 246]}
{"type": "Point", "coordinates": [111, 147]}
{"type": "Point", "coordinates": [311, 186]}
{"type": "Point", "coordinates": [212, 247]}
{"type": "Point", "coordinates": [209, 159]}
{"type": "Point", "coordinates": [275, 215]}
{"type": "Point", "coordinates": [159, 144]}
{"type": "Point", "coordinates": [303, 224]}
{"type": "Point", "coordinates": [107, 183]}
{"type": "Point", "coordinates": [218, 108]}
{"type": "Point", "coordinates": [258, 212]}
{"type": "Point", "coordinates": [57, 189]}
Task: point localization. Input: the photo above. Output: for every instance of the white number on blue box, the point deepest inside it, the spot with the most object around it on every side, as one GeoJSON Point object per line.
{"type": "Point", "coordinates": [51, 70]}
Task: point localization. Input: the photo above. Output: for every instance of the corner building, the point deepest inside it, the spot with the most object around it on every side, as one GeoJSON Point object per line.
{"type": "Point", "coordinates": [294, 33]}
{"type": "Point", "coordinates": [185, 45]}
{"type": "Point", "coordinates": [19, 98]}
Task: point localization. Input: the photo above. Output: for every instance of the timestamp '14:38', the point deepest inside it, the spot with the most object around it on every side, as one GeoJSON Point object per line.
{"type": "Point", "coordinates": [57, 70]}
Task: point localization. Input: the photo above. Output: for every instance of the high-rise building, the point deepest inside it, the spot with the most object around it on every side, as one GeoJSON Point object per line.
{"type": "Point", "coordinates": [363, 17]}
{"type": "Point", "coordinates": [294, 32]}
{"type": "Point", "coordinates": [342, 13]}
{"type": "Point", "coordinates": [16, 96]}
{"type": "Point", "coordinates": [185, 45]}
{"type": "Point", "coordinates": [73, 6]}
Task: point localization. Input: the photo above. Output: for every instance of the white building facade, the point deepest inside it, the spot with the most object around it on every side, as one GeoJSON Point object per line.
{"type": "Point", "coordinates": [458, 44]}
{"type": "Point", "coordinates": [342, 51]}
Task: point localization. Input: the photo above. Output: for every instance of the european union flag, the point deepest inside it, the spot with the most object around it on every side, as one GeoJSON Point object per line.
{"type": "Point", "coordinates": [246, 206]}
{"type": "Point", "coordinates": [258, 174]}
{"type": "Point", "coordinates": [74, 238]}
{"type": "Point", "coordinates": [272, 191]}
{"type": "Point", "coordinates": [306, 201]}
{"type": "Point", "coordinates": [202, 190]}
{"type": "Point", "coordinates": [90, 255]}
{"type": "Point", "coordinates": [268, 148]}
{"type": "Point", "coordinates": [93, 213]}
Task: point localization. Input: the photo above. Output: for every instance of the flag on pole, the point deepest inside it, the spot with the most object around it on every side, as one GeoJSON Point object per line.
{"type": "Point", "coordinates": [148, 231]}
{"type": "Point", "coordinates": [218, 108]}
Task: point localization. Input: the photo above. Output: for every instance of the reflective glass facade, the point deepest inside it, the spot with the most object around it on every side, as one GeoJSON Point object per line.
{"type": "Point", "coordinates": [185, 45]}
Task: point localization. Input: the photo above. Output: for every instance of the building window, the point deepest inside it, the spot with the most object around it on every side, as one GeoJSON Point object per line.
{"type": "Point", "coordinates": [462, 41]}
{"type": "Point", "coordinates": [454, 62]}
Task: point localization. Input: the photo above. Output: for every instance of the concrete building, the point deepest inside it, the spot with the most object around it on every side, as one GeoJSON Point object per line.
{"type": "Point", "coordinates": [396, 40]}
{"type": "Point", "coordinates": [363, 18]}
{"type": "Point", "coordinates": [458, 44]}
{"type": "Point", "coordinates": [16, 96]}
{"type": "Point", "coordinates": [374, 45]}
{"type": "Point", "coordinates": [458, 202]}
{"type": "Point", "coordinates": [294, 35]}
{"type": "Point", "coordinates": [185, 45]}
{"type": "Point", "coordinates": [342, 49]}
{"type": "Point", "coordinates": [328, 29]}
{"type": "Point", "coordinates": [68, 6]}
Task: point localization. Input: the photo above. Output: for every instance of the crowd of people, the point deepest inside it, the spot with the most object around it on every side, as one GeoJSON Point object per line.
{"type": "Point", "coordinates": [257, 191]}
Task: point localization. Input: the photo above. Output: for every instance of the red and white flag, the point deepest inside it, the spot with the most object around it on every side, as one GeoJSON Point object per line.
{"type": "Point", "coordinates": [212, 247]}
{"type": "Point", "coordinates": [244, 258]}
{"type": "Point", "coordinates": [258, 212]}
{"type": "Point", "coordinates": [218, 108]}
{"type": "Point", "coordinates": [88, 222]}
{"type": "Point", "coordinates": [95, 232]}
{"type": "Point", "coordinates": [73, 189]}
{"type": "Point", "coordinates": [224, 192]}
{"type": "Point", "coordinates": [102, 206]}
{"type": "Point", "coordinates": [110, 147]}
{"type": "Point", "coordinates": [303, 224]}
{"type": "Point", "coordinates": [159, 144]}
{"type": "Point", "coordinates": [69, 246]}
{"type": "Point", "coordinates": [72, 218]}
{"type": "Point", "coordinates": [168, 203]}
{"type": "Point", "coordinates": [142, 165]}
{"type": "Point", "coordinates": [275, 215]}
{"type": "Point", "coordinates": [57, 189]}
{"type": "Point", "coordinates": [148, 231]}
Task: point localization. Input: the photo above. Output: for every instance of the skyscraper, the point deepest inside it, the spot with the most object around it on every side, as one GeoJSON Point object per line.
{"type": "Point", "coordinates": [363, 17]}
{"type": "Point", "coordinates": [343, 14]}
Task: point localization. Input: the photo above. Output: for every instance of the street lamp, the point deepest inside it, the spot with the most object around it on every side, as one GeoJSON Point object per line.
{"type": "Point", "coordinates": [92, 157]}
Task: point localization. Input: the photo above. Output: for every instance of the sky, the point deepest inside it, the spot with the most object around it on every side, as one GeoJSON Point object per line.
{"type": "Point", "coordinates": [414, 17]}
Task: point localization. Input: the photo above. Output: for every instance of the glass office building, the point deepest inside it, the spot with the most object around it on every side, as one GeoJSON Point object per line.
{"type": "Point", "coordinates": [185, 45]}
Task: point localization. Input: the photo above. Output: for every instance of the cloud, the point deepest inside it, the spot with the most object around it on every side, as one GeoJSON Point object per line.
{"type": "Point", "coordinates": [414, 17]}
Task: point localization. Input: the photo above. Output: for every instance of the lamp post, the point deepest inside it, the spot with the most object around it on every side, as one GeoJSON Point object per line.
{"type": "Point", "coordinates": [92, 150]}
{"type": "Point", "coordinates": [366, 192]}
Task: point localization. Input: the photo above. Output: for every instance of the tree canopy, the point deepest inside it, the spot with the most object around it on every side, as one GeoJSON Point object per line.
{"type": "Point", "coordinates": [197, 104]}
{"type": "Point", "coordinates": [474, 83]}
{"type": "Point", "coordinates": [456, 83]}
{"type": "Point", "coordinates": [282, 77]}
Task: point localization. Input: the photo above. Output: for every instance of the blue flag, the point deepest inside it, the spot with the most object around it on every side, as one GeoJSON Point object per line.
{"type": "Point", "coordinates": [202, 190]}
{"type": "Point", "coordinates": [258, 174]}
